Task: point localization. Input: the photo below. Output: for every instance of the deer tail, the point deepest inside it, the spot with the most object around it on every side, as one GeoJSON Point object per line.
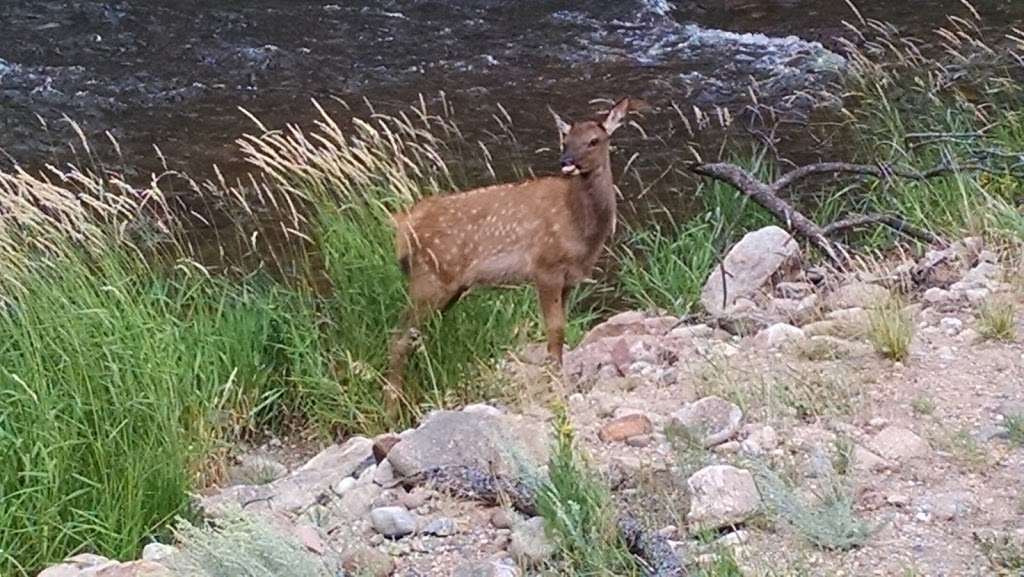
{"type": "Point", "coordinates": [403, 244]}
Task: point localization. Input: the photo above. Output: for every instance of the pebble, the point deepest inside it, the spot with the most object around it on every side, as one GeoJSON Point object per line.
{"type": "Point", "coordinates": [440, 527]}
{"type": "Point", "coordinates": [625, 427]}
{"type": "Point", "coordinates": [393, 522]}
{"type": "Point", "coordinates": [503, 519]}
{"type": "Point", "coordinates": [951, 326]}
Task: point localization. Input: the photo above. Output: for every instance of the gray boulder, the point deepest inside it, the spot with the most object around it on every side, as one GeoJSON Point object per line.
{"type": "Point", "coordinates": [300, 489]}
{"type": "Point", "coordinates": [501, 444]}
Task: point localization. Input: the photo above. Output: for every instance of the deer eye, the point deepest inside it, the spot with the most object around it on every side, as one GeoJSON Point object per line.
{"type": "Point", "coordinates": [594, 141]}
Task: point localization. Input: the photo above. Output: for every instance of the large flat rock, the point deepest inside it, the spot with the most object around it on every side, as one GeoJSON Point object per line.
{"type": "Point", "coordinates": [501, 444]}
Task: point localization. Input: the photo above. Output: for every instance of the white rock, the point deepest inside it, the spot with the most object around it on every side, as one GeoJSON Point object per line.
{"type": "Point", "coordinates": [90, 560]}
{"type": "Point", "coordinates": [938, 296]}
{"type": "Point", "coordinates": [734, 539]}
{"type": "Point", "coordinates": [951, 326]}
{"type": "Point", "coordinates": [760, 440]}
{"type": "Point", "coordinates": [969, 336]}
{"type": "Point", "coordinates": [983, 275]}
{"type": "Point", "coordinates": [393, 522]}
{"type": "Point", "coordinates": [720, 496]}
{"type": "Point", "coordinates": [748, 267]}
{"type": "Point", "coordinates": [343, 486]}
{"type": "Point", "coordinates": [713, 420]}
{"type": "Point", "coordinates": [976, 296]}
{"type": "Point", "coordinates": [899, 444]}
{"type": "Point", "coordinates": [482, 409]}
{"type": "Point", "coordinates": [857, 295]}
{"type": "Point", "coordinates": [778, 335]}
{"type": "Point", "coordinates": [158, 552]}
{"type": "Point", "coordinates": [357, 501]}
{"type": "Point", "coordinates": [61, 570]}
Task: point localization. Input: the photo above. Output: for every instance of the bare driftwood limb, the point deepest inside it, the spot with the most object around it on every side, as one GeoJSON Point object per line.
{"type": "Point", "coordinates": [881, 171]}
{"type": "Point", "coordinates": [472, 483]}
{"type": "Point", "coordinates": [767, 195]}
{"type": "Point", "coordinates": [890, 220]}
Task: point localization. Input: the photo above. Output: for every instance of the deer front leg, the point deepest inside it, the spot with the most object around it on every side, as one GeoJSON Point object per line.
{"type": "Point", "coordinates": [402, 342]}
{"type": "Point", "coordinates": [550, 293]}
{"type": "Point", "coordinates": [427, 296]}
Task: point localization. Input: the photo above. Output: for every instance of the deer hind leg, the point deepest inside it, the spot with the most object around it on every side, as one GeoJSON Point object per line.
{"type": "Point", "coordinates": [427, 295]}
{"type": "Point", "coordinates": [551, 292]}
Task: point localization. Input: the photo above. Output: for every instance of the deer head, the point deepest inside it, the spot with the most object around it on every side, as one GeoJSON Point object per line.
{"type": "Point", "coordinates": [585, 144]}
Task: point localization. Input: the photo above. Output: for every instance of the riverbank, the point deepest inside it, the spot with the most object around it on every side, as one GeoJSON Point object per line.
{"type": "Point", "coordinates": [131, 372]}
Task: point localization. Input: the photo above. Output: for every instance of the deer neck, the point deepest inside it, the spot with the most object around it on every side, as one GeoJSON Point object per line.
{"type": "Point", "coordinates": [594, 199]}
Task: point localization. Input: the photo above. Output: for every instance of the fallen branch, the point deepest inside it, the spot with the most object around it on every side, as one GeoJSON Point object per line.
{"type": "Point", "coordinates": [881, 171]}
{"type": "Point", "coordinates": [890, 220]}
{"type": "Point", "coordinates": [767, 195]}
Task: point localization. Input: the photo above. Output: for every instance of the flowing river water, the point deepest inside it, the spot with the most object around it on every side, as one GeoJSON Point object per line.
{"type": "Point", "coordinates": [174, 75]}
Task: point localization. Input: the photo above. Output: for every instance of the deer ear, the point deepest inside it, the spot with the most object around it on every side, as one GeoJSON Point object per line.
{"type": "Point", "coordinates": [616, 115]}
{"type": "Point", "coordinates": [563, 126]}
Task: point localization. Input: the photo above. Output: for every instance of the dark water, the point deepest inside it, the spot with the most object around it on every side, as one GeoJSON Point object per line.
{"type": "Point", "coordinates": [173, 74]}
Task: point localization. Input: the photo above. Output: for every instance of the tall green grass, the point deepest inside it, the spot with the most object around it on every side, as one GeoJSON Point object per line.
{"type": "Point", "coordinates": [961, 108]}
{"type": "Point", "coordinates": [664, 262]}
{"type": "Point", "coordinates": [118, 375]}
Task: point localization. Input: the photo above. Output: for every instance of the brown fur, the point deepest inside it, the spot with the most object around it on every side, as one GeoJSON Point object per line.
{"type": "Point", "coordinates": [547, 231]}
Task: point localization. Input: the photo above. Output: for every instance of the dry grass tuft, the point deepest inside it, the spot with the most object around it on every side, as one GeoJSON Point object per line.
{"type": "Point", "coordinates": [891, 329]}
{"type": "Point", "coordinates": [997, 319]}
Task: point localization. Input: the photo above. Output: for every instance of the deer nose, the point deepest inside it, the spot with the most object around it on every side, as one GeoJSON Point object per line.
{"type": "Point", "coordinates": [567, 160]}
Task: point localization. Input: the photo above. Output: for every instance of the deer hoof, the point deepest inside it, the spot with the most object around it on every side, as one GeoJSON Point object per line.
{"type": "Point", "coordinates": [414, 336]}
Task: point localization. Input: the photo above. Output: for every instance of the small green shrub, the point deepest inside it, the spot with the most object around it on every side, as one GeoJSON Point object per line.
{"type": "Point", "coordinates": [1005, 554]}
{"type": "Point", "coordinates": [723, 565]}
{"type": "Point", "coordinates": [829, 522]}
{"type": "Point", "coordinates": [579, 514]}
{"type": "Point", "coordinates": [1015, 429]}
{"type": "Point", "coordinates": [923, 405]}
{"type": "Point", "coordinates": [242, 545]}
{"type": "Point", "coordinates": [964, 448]}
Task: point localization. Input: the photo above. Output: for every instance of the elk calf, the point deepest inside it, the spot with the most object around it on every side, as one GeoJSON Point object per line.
{"type": "Point", "coordinates": [547, 231]}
